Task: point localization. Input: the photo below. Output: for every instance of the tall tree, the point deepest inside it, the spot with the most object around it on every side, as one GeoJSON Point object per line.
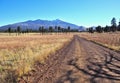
{"type": "Point", "coordinates": [43, 30]}
{"type": "Point", "coordinates": [113, 21]}
{"type": "Point", "coordinates": [50, 29]}
{"type": "Point", "coordinates": [40, 29]}
{"type": "Point", "coordinates": [107, 29]}
{"type": "Point", "coordinates": [68, 28]}
{"type": "Point", "coordinates": [118, 28]}
{"type": "Point", "coordinates": [91, 30]}
{"type": "Point", "coordinates": [56, 28]}
{"type": "Point", "coordinates": [114, 25]}
{"type": "Point", "coordinates": [59, 28]}
{"type": "Point", "coordinates": [18, 30]}
{"type": "Point", "coordinates": [9, 30]}
{"type": "Point", "coordinates": [99, 29]}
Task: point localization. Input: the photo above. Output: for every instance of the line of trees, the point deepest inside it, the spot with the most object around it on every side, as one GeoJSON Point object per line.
{"type": "Point", "coordinates": [56, 29]}
{"type": "Point", "coordinates": [18, 30]}
{"type": "Point", "coordinates": [41, 29]}
{"type": "Point", "coordinates": [112, 28]}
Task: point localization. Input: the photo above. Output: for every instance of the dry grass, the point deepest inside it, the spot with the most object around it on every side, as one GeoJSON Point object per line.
{"type": "Point", "coordinates": [19, 53]}
{"type": "Point", "coordinates": [111, 40]}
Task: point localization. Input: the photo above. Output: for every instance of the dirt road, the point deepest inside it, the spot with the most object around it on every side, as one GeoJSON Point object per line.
{"type": "Point", "coordinates": [80, 61]}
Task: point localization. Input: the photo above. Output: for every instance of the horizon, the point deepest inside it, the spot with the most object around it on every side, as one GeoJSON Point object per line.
{"type": "Point", "coordinates": [42, 20]}
{"type": "Point", "coordinates": [82, 13]}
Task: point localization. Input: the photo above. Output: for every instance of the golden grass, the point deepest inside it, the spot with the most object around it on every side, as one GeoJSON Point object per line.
{"type": "Point", "coordinates": [19, 53]}
{"type": "Point", "coordinates": [110, 40]}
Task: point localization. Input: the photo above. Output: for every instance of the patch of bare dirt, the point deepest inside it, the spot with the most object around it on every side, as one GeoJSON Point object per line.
{"type": "Point", "coordinates": [80, 61]}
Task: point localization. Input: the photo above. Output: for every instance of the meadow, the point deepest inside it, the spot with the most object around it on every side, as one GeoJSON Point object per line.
{"type": "Point", "coordinates": [18, 54]}
{"type": "Point", "coordinates": [110, 39]}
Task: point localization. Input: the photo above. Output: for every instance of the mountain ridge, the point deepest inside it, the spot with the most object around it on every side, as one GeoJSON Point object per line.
{"type": "Point", "coordinates": [35, 24]}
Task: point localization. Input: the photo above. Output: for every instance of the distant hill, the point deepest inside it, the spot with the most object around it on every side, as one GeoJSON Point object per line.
{"type": "Point", "coordinates": [35, 24]}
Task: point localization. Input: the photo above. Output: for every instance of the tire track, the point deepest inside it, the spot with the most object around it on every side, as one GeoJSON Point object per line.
{"type": "Point", "coordinates": [46, 73]}
{"type": "Point", "coordinates": [80, 61]}
{"type": "Point", "coordinates": [102, 65]}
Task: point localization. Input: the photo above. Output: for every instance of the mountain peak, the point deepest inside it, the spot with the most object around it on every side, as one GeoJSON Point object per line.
{"type": "Point", "coordinates": [35, 24]}
{"type": "Point", "coordinates": [58, 20]}
{"type": "Point", "coordinates": [38, 20]}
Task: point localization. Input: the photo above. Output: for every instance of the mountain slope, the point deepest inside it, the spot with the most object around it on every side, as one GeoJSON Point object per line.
{"type": "Point", "coordinates": [37, 23]}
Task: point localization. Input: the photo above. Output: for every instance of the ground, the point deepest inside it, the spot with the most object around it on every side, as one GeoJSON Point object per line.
{"type": "Point", "coordinates": [80, 61]}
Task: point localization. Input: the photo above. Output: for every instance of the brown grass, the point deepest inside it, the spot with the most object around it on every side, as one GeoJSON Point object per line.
{"type": "Point", "coordinates": [19, 53]}
{"type": "Point", "coordinates": [111, 40]}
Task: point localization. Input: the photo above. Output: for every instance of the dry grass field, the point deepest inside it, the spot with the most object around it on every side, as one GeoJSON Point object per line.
{"type": "Point", "coordinates": [19, 53]}
{"type": "Point", "coordinates": [80, 61]}
{"type": "Point", "coordinates": [110, 40]}
{"type": "Point", "coordinates": [59, 58]}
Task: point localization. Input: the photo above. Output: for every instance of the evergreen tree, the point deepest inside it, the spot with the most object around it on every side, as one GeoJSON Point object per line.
{"type": "Point", "coordinates": [40, 29]}
{"type": "Point", "coordinates": [43, 30]}
{"type": "Point", "coordinates": [114, 25]}
{"type": "Point", "coordinates": [9, 30]}
{"type": "Point", "coordinates": [59, 28]}
{"type": "Point", "coordinates": [118, 28]}
{"type": "Point", "coordinates": [18, 30]}
{"type": "Point", "coordinates": [107, 29]}
{"type": "Point", "coordinates": [50, 29]}
{"type": "Point", "coordinates": [56, 28]}
{"type": "Point", "coordinates": [91, 30]}
{"type": "Point", "coordinates": [68, 29]}
{"type": "Point", "coordinates": [99, 29]}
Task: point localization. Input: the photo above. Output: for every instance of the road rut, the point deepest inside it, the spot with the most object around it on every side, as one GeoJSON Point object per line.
{"type": "Point", "coordinates": [80, 61]}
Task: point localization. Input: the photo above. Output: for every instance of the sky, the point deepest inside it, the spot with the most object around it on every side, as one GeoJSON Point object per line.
{"type": "Point", "coordinates": [81, 12]}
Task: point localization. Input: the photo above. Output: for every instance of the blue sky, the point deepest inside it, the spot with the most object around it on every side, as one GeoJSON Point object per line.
{"type": "Point", "coordinates": [80, 12]}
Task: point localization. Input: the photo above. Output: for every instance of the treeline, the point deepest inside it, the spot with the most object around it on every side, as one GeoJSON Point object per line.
{"type": "Point", "coordinates": [57, 29]}
{"type": "Point", "coordinates": [113, 28]}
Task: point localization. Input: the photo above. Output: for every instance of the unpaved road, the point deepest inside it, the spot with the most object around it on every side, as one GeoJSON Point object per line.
{"type": "Point", "coordinates": [80, 61]}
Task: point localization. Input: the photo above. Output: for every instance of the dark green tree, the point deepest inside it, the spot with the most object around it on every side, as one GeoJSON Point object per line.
{"type": "Point", "coordinates": [63, 30]}
{"type": "Point", "coordinates": [118, 28]}
{"type": "Point", "coordinates": [56, 29]}
{"type": "Point", "coordinates": [114, 25]}
{"type": "Point", "coordinates": [43, 30]}
{"type": "Point", "coordinates": [68, 29]}
{"type": "Point", "coordinates": [107, 29]}
{"type": "Point", "coordinates": [99, 29]}
{"type": "Point", "coordinates": [50, 29]}
{"type": "Point", "coordinates": [9, 30]}
{"type": "Point", "coordinates": [91, 30]}
{"type": "Point", "coordinates": [59, 29]}
{"type": "Point", "coordinates": [40, 29]}
{"type": "Point", "coordinates": [18, 30]}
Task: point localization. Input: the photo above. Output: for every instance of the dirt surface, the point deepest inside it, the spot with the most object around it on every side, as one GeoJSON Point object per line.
{"type": "Point", "coordinates": [80, 61]}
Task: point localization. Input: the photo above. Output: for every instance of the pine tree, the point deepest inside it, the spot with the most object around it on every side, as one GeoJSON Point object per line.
{"type": "Point", "coordinates": [114, 25]}
{"type": "Point", "coordinates": [9, 30]}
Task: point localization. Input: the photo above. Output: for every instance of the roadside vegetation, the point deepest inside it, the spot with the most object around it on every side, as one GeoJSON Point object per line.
{"type": "Point", "coordinates": [108, 36]}
{"type": "Point", "coordinates": [18, 54]}
{"type": "Point", "coordinates": [99, 29]}
{"type": "Point", "coordinates": [110, 40]}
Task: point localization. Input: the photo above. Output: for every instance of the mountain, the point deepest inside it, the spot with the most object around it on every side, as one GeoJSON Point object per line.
{"type": "Point", "coordinates": [34, 25]}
